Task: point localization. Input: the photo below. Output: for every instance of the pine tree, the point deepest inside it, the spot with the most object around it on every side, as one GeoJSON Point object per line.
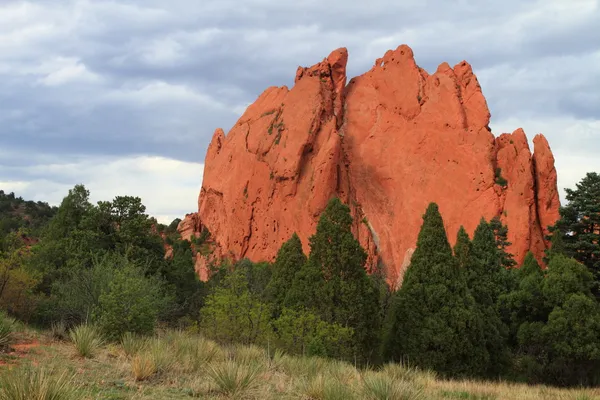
{"type": "Point", "coordinates": [487, 274]}
{"type": "Point", "coordinates": [579, 225]}
{"type": "Point", "coordinates": [290, 259]}
{"type": "Point", "coordinates": [462, 248]}
{"type": "Point", "coordinates": [525, 303]}
{"type": "Point", "coordinates": [557, 246]}
{"type": "Point", "coordinates": [333, 282]}
{"type": "Point", "coordinates": [487, 281]}
{"type": "Point", "coordinates": [565, 343]}
{"type": "Point", "coordinates": [433, 321]}
{"type": "Point", "coordinates": [502, 243]}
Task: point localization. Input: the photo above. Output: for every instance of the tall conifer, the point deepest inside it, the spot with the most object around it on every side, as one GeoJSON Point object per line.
{"type": "Point", "coordinates": [433, 321]}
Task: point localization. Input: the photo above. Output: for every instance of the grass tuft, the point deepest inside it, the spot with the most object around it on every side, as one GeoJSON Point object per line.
{"type": "Point", "coordinates": [132, 344]}
{"type": "Point", "coordinates": [233, 379]}
{"type": "Point", "coordinates": [382, 386]}
{"type": "Point", "coordinates": [87, 340]}
{"type": "Point", "coordinates": [302, 366]}
{"type": "Point", "coordinates": [58, 330]}
{"type": "Point", "coordinates": [7, 328]}
{"type": "Point", "coordinates": [193, 353]}
{"type": "Point", "coordinates": [143, 367]}
{"type": "Point", "coordinates": [27, 383]}
{"type": "Point", "coordinates": [323, 387]}
{"type": "Point", "coordinates": [161, 354]}
{"type": "Point", "coordinates": [249, 354]}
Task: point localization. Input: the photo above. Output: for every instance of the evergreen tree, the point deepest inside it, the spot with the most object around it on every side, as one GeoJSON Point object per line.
{"type": "Point", "coordinates": [487, 273]}
{"type": "Point", "coordinates": [501, 235]}
{"type": "Point", "coordinates": [555, 323]}
{"type": "Point", "coordinates": [182, 280]}
{"type": "Point", "coordinates": [525, 303]}
{"type": "Point", "coordinates": [333, 282]}
{"type": "Point", "coordinates": [433, 321]}
{"type": "Point", "coordinates": [487, 281]}
{"type": "Point", "coordinates": [289, 261]}
{"type": "Point", "coordinates": [579, 225]}
{"type": "Point", "coordinates": [462, 248]}
{"type": "Point", "coordinates": [557, 246]}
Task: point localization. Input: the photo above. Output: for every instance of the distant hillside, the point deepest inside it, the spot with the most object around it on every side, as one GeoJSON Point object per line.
{"type": "Point", "coordinates": [16, 213]}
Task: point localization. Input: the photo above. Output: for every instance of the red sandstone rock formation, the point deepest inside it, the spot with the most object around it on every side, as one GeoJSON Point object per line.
{"type": "Point", "coordinates": [388, 143]}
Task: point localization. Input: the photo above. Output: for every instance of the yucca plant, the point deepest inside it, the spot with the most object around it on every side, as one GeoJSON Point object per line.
{"type": "Point", "coordinates": [132, 344]}
{"type": "Point", "coordinates": [400, 371]}
{"type": "Point", "coordinates": [6, 331]}
{"type": "Point", "coordinates": [58, 330]}
{"type": "Point", "coordinates": [26, 383]}
{"type": "Point", "coordinates": [87, 339]}
{"type": "Point", "coordinates": [194, 352]}
{"type": "Point", "coordinates": [233, 379]}
{"type": "Point", "coordinates": [380, 386]}
{"type": "Point", "coordinates": [249, 354]}
{"type": "Point", "coordinates": [323, 387]}
{"type": "Point", "coordinates": [341, 371]}
{"type": "Point", "coordinates": [161, 354]}
{"type": "Point", "coordinates": [302, 366]}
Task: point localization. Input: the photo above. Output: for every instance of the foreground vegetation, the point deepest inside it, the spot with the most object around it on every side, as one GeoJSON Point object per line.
{"type": "Point", "coordinates": [107, 273]}
{"type": "Point", "coordinates": [180, 365]}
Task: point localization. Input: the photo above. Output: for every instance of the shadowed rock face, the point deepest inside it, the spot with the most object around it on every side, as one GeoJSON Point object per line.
{"type": "Point", "coordinates": [388, 143]}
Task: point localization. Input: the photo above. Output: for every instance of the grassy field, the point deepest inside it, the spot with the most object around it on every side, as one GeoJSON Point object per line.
{"type": "Point", "coordinates": [178, 365]}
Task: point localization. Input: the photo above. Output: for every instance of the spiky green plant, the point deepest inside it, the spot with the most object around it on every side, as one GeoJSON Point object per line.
{"type": "Point", "coordinates": [249, 354]}
{"type": "Point", "coordinates": [58, 330]}
{"type": "Point", "coordinates": [87, 339]}
{"type": "Point", "coordinates": [302, 366]}
{"type": "Point", "coordinates": [161, 354]}
{"type": "Point", "coordinates": [132, 344]}
{"type": "Point", "coordinates": [381, 386]}
{"type": "Point", "coordinates": [322, 387]}
{"type": "Point", "coordinates": [193, 352]}
{"type": "Point", "coordinates": [400, 371]}
{"type": "Point", "coordinates": [6, 331]}
{"type": "Point", "coordinates": [26, 383]}
{"type": "Point", "coordinates": [233, 379]}
{"type": "Point", "coordinates": [341, 371]}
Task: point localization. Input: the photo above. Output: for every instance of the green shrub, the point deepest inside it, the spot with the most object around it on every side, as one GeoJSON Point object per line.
{"type": "Point", "coordinates": [87, 340]}
{"type": "Point", "coordinates": [499, 178]}
{"type": "Point", "coordinates": [27, 383]}
{"type": "Point", "coordinates": [132, 303]}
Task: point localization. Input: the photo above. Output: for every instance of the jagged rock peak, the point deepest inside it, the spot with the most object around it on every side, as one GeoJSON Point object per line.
{"type": "Point", "coordinates": [387, 143]}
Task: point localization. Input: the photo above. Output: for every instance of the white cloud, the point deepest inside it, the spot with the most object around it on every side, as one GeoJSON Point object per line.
{"type": "Point", "coordinates": [131, 78]}
{"type": "Point", "coordinates": [66, 70]}
{"type": "Point", "coordinates": [169, 188]}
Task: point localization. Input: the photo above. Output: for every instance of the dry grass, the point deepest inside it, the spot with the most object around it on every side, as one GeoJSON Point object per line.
{"type": "Point", "coordinates": [87, 340]}
{"type": "Point", "coordinates": [177, 365]}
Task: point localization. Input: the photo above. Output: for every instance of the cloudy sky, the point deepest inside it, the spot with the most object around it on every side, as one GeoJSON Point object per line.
{"type": "Point", "coordinates": [123, 96]}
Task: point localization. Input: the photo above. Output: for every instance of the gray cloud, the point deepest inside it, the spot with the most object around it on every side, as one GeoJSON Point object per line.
{"type": "Point", "coordinates": [125, 79]}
